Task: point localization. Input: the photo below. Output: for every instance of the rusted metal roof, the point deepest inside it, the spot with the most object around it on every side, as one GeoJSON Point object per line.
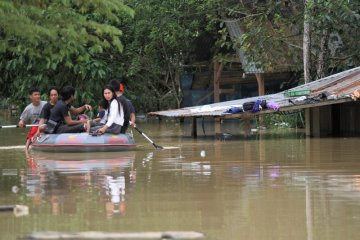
{"type": "Point", "coordinates": [340, 86]}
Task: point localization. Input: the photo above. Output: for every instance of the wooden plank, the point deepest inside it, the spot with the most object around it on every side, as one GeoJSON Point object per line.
{"type": "Point", "coordinates": [115, 235]}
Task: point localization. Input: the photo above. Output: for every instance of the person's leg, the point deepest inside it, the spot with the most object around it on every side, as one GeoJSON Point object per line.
{"type": "Point", "coordinates": [88, 126]}
{"type": "Point", "coordinates": [96, 127]}
{"type": "Point", "coordinates": [114, 129]}
{"type": "Point", "coordinates": [30, 135]}
{"type": "Point", "coordinates": [71, 129]}
{"type": "Point", "coordinates": [28, 142]}
{"type": "Point", "coordinates": [123, 129]}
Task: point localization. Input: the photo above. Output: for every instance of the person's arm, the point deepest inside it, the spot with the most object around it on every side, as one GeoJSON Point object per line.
{"type": "Point", "coordinates": [21, 123]}
{"type": "Point", "coordinates": [132, 119]}
{"type": "Point", "coordinates": [65, 112]}
{"type": "Point", "coordinates": [80, 109]}
{"type": "Point", "coordinates": [23, 118]}
{"type": "Point", "coordinates": [41, 127]}
{"type": "Point", "coordinates": [71, 122]}
{"type": "Point", "coordinates": [132, 113]}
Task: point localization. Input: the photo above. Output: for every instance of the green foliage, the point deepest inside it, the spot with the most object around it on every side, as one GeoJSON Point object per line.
{"type": "Point", "coordinates": [160, 40]}
{"type": "Point", "coordinates": [341, 20]}
{"type": "Point", "coordinates": [274, 32]}
{"type": "Point", "coordinates": [271, 33]}
{"type": "Point", "coordinates": [289, 119]}
{"type": "Point", "coordinates": [46, 43]}
{"type": "Point", "coordinates": [147, 43]}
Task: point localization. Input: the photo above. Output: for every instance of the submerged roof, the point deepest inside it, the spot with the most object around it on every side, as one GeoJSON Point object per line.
{"type": "Point", "coordinates": [340, 86]}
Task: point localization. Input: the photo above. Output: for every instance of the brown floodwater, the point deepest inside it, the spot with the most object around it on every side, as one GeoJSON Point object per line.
{"type": "Point", "coordinates": [275, 185]}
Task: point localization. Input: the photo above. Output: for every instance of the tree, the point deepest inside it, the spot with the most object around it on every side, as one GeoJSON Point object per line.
{"type": "Point", "coordinates": [64, 42]}
{"type": "Point", "coordinates": [281, 30]}
{"type": "Point", "coordinates": [307, 42]}
{"type": "Point", "coordinates": [159, 42]}
{"type": "Point", "coordinates": [335, 35]}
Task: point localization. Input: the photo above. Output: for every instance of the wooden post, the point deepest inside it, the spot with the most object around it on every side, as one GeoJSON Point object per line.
{"type": "Point", "coordinates": [307, 122]}
{"type": "Point", "coordinates": [217, 126]}
{"type": "Point", "coordinates": [261, 83]}
{"type": "Point", "coordinates": [316, 122]}
{"type": "Point", "coordinates": [261, 91]}
{"type": "Point", "coordinates": [247, 124]}
{"type": "Point", "coordinates": [217, 76]}
{"type": "Point", "coordinates": [193, 127]}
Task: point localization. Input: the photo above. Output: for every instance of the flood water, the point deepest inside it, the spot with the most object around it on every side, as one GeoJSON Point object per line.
{"type": "Point", "coordinates": [275, 185]}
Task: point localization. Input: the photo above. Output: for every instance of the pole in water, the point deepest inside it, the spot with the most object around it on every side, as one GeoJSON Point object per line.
{"type": "Point", "coordinates": [18, 210]}
{"type": "Point", "coordinates": [16, 126]}
{"type": "Point", "coordinates": [151, 141]}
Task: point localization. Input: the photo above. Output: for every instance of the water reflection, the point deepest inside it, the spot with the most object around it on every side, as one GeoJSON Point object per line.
{"type": "Point", "coordinates": [51, 178]}
{"type": "Point", "coordinates": [268, 188]}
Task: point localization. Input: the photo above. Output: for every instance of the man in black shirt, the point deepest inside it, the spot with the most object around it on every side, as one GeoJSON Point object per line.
{"type": "Point", "coordinates": [53, 95]}
{"type": "Point", "coordinates": [60, 113]}
{"type": "Point", "coordinates": [129, 110]}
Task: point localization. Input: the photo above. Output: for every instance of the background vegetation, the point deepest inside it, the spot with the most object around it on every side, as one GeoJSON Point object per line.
{"type": "Point", "coordinates": [147, 43]}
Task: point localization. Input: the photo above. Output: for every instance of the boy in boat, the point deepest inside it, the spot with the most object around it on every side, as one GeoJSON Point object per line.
{"type": "Point", "coordinates": [129, 110]}
{"type": "Point", "coordinates": [32, 113]}
{"type": "Point", "coordinates": [101, 117]}
{"type": "Point", "coordinates": [60, 114]}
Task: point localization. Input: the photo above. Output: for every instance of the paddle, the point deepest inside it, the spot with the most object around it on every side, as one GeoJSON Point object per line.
{"type": "Point", "coordinates": [16, 126]}
{"type": "Point", "coordinates": [142, 133]}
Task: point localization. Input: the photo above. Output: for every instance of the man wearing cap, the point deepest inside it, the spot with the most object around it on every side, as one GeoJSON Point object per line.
{"type": "Point", "coordinates": [119, 90]}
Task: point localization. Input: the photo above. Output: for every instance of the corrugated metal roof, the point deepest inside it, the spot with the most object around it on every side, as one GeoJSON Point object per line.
{"type": "Point", "coordinates": [340, 86]}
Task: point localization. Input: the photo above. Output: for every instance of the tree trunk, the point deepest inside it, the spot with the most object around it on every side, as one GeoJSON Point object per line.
{"type": "Point", "coordinates": [306, 43]}
{"type": "Point", "coordinates": [321, 68]}
{"type": "Point", "coordinates": [217, 76]}
{"type": "Point", "coordinates": [177, 88]}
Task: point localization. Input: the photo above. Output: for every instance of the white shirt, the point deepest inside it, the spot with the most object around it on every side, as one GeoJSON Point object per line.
{"type": "Point", "coordinates": [114, 116]}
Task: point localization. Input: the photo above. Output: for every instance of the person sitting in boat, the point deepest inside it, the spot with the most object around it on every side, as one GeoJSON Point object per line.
{"type": "Point", "coordinates": [129, 110]}
{"type": "Point", "coordinates": [31, 113]}
{"type": "Point", "coordinates": [60, 114]}
{"type": "Point", "coordinates": [53, 95]}
{"type": "Point", "coordinates": [101, 117]}
{"type": "Point", "coordinates": [115, 119]}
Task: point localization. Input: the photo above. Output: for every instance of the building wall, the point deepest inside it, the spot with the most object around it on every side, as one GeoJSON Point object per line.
{"type": "Point", "coordinates": [350, 119]}
{"type": "Point", "coordinates": [338, 120]}
{"type": "Point", "coordinates": [198, 87]}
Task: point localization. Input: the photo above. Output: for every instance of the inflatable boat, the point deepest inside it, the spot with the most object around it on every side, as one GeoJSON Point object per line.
{"type": "Point", "coordinates": [83, 142]}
